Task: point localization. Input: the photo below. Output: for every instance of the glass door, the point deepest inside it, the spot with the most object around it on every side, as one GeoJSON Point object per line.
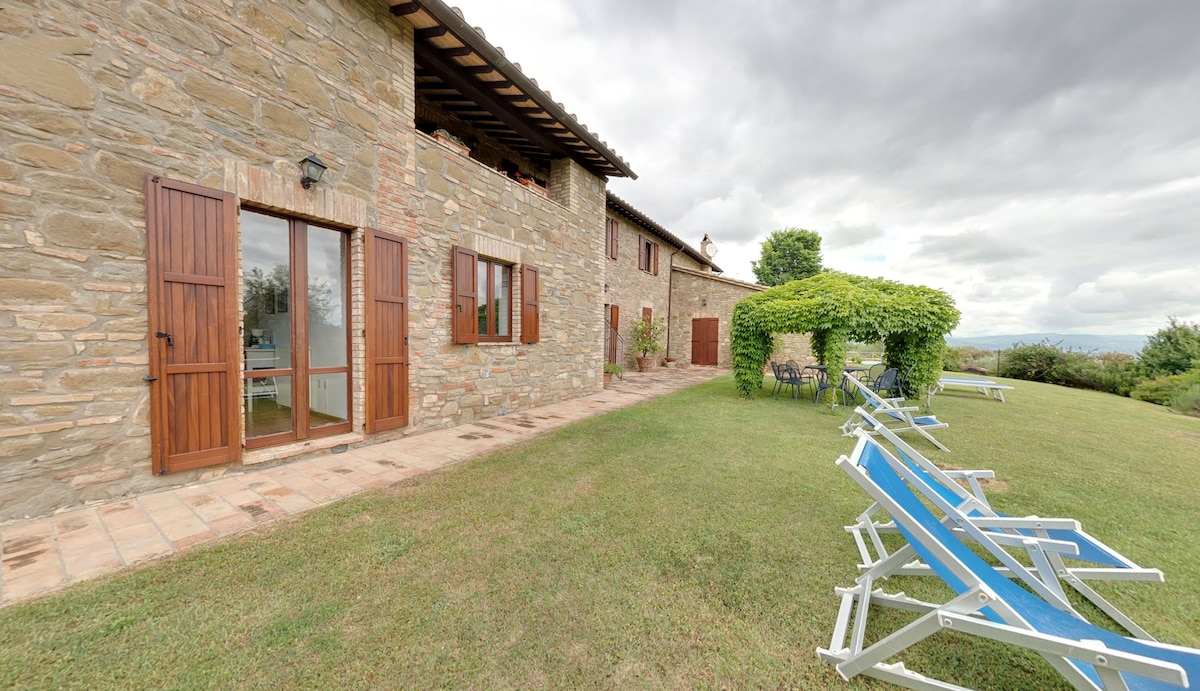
{"type": "Point", "coordinates": [295, 333]}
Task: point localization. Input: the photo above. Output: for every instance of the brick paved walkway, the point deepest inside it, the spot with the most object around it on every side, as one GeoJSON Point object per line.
{"type": "Point", "coordinates": [46, 554]}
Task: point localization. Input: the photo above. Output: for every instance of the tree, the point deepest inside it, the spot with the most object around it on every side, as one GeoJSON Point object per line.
{"type": "Point", "coordinates": [789, 254]}
{"type": "Point", "coordinates": [1174, 349]}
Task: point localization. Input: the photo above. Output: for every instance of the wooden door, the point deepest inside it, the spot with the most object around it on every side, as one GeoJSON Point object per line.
{"type": "Point", "coordinates": [191, 272]}
{"type": "Point", "coordinates": [614, 323]}
{"type": "Point", "coordinates": [704, 341]}
{"type": "Point", "coordinates": [387, 329]}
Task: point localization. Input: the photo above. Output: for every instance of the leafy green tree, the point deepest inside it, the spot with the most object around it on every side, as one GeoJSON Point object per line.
{"type": "Point", "coordinates": [1174, 349]}
{"type": "Point", "coordinates": [789, 254]}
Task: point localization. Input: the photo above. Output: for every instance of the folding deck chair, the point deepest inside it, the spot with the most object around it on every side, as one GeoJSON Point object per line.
{"type": "Point", "coordinates": [891, 412]}
{"type": "Point", "coordinates": [1064, 537]}
{"type": "Point", "coordinates": [988, 603]}
{"type": "Point", "coordinates": [987, 387]}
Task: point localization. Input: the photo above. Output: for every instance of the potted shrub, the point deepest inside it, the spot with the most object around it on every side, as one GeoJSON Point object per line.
{"type": "Point", "coordinates": [646, 338]}
{"type": "Point", "coordinates": [451, 142]}
{"type": "Point", "coordinates": [611, 369]}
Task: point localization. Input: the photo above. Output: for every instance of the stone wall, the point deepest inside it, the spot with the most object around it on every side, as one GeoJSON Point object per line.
{"type": "Point", "coordinates": [698, 295]}
{"type": "Point", "coordinates": [630, 288]}
{"type": "Point", "coordinates": [460, 201]}
{"type": "Point", "coordinates": [230, 95]}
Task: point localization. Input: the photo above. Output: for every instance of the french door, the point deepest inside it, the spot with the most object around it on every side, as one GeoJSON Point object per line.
{"type": "Point", "coordinates": [295, 329]}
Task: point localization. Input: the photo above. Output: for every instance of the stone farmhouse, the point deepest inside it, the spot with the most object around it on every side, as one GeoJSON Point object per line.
{"type": "Point", "coordinates": [239, 231]}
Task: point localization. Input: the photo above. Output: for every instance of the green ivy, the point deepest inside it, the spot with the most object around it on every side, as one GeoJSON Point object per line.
{"type": "Point", "coordinates": [837, 308]}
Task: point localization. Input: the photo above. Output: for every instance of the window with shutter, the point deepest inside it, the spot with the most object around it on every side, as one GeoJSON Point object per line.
{"type": "Point", "coordinates": [465, 324]}
{"type": "Point", "coordinates": [530, 324]}
{"type": "Point", "coordinates": [614, 230]}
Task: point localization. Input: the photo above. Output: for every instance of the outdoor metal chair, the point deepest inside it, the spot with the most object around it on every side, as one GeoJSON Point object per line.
{"type": "Point", "coordinates": [874, 373]}
{"type": "Point", "coordinates": [887, 381]}
{"type": "Point", "coordinates": [822, 382]}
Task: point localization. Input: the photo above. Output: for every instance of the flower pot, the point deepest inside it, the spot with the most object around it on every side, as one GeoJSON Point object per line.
{"type": "Point", "coordinates": [607, 380]}
{"type": "Point", "coordinates": [645, 364]}
{"type": "Point", "coordinates": [536, 187]}
{"type": "Point", "coordinates": [461, 149]}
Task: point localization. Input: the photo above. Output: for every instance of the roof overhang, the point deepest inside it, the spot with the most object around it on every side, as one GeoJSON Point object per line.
{"type": "Point", "coordinates": [612, 201]}
{"type": "Point", "coordinates": [464, 74]}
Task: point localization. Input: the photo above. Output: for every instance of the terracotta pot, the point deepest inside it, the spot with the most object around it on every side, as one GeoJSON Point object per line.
{"type": "Point", "coordinates": [607, 380]}
{"type": "Point", "coordinates": [645, 364]}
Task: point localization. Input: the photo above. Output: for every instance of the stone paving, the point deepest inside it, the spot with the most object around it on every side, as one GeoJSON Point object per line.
{"type": "Point", "coordinates": [45, 554]}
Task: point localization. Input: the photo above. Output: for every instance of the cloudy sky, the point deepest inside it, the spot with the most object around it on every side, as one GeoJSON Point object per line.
{"type": "Point", "coordinates": [1038, 160]}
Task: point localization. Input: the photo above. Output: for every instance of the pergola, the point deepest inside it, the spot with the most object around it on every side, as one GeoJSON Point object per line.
{"type": "Point", "coordinates": [837, 308]}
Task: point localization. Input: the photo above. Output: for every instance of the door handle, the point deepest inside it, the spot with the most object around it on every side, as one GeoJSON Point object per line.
{"type": "Point", "coordinates": [164, 334]}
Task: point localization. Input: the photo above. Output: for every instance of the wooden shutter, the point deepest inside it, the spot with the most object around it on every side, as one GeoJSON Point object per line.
{"type": "Point", "coordinates": [529, 304]}
{"type": "Point", "coordinates": [387, 331]}
{"type": "Point", "coordinates": [655, 259]}
{"type": "Point", "coordinates": [614, 231]}
{"type": "Point", "coordinates": [614, 320]}
{"type": "Point", "coordinates": [465, 325]}
{"type": "Point", "coordinates": [642, 263]}
{"type": "Point", "coordinates": [647, 314]}
{"type": "Point", "coordinates": [191, 254]}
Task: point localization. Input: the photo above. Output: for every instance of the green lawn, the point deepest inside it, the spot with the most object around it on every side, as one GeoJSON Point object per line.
{"type": "Point", "coordinates": [692, 541]}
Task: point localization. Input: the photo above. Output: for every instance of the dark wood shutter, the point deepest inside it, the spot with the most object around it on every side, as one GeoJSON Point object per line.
{"type": "Point", "coordinates": [614, 230]}
{"type": "Point", "coordinates": [465, 326]}
{"type": "Point", "coordinates": [614, 321]}
{"type": "Point", "coordinates": [656, 259]}
{"type": "Point", "coordinates": [647, 314]}
{"type": "Point", "coordinates": [530, 325]}
{"type": "Point", "coordinates": [191, 253]}
{"type": "Point", "coordinates": [642, 258]}
{"type": "Point", "coordinates": [387, 331]}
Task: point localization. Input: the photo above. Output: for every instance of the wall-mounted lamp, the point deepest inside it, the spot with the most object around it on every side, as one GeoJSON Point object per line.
{"type": "Point", "coordinates": [606, 287]}
{"type": "Point", "coordinates": [704, 302]}
{"type": "Point", "coordinates": [311, 170]}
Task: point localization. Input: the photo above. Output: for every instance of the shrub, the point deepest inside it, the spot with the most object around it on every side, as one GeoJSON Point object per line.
{"type": "Point", "coordinates": [1031, 362]}
{"type": "Point", "coordinates": [968, 359]}
{"type": "Point", "coordinates": [1163, 390]}
{"type": "Point", "coordinates": [1173, 349]}
{"type": "Point", "coordinates": [1187, 400]}
{"type": "Point", "coordinates": [1115, 373]}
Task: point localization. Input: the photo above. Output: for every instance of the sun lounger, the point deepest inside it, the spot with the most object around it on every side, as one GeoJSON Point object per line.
{"type": "Point", "coordinates": [987, 603]}
{"type": "Point", "coordinates": [890, 412]}
{"type": "Point", "coordinates": [987, 387]}
{"type": "Point", "coordinates": [1063, 537]}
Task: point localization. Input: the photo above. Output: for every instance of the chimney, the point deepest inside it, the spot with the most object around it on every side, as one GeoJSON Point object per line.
{"type": "Point", "coordinates": [707, 251]}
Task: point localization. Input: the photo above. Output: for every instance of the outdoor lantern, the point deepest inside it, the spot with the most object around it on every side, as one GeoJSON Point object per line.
{"type": "Point", "coordinates": [311, 170]}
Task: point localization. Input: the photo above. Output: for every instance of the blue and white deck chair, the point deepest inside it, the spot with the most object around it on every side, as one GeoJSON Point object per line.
{"type": "Point", "coordinates": [987, 387]}
{"type": "Point", "coordinates": [1056, 538]}
{"type": "Point", "coordinates": [987, 603]}
{"type": "Point", "coordinates": [890, 412]}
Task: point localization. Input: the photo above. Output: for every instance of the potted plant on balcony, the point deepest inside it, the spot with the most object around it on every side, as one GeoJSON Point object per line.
{"type": "Point", "coordinates": [646, 338]}
{"type": "Point", "coordinates": [451, 141]}
{"type": "Point", "coordinates": [529, 182]}
{"type": "Point", "coordinates": [611, 369]}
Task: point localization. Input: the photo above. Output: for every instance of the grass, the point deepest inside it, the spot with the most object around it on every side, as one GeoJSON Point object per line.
{"type": "Point", "coordinates": [692, 541]}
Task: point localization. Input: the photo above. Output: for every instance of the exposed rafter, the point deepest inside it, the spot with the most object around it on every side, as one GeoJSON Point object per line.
{"type": "Point", "coordinates": [459, 70]}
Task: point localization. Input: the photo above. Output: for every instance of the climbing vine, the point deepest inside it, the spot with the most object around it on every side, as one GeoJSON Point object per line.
{"type": "Point", "coordinates": [836, 308]}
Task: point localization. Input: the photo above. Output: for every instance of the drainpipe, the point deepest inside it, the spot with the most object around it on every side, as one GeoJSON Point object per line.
{"type": "Point", "coordinates": [670, 295]}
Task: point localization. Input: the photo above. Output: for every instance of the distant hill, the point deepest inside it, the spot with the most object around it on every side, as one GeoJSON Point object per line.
{"type": "Point", "coordinates": [1131, 344]}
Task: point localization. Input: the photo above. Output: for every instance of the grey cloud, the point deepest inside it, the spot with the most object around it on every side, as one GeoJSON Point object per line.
{"type": "Point", "coordinates": [841, 236]}
{"type": "Point", "coordinates": [1069, 130]}
{"type": "Point", "coordinates": [973, 247]}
